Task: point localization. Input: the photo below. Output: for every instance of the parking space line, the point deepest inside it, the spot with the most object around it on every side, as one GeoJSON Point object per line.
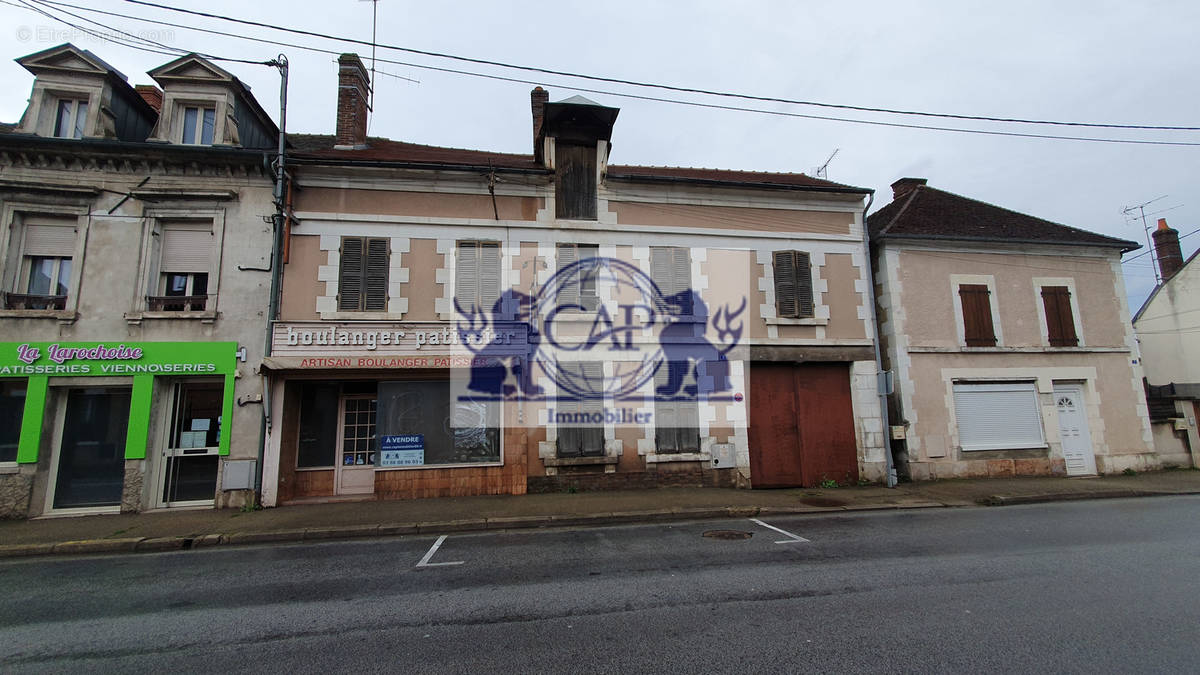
{"type": "Point", "coordinates": [794, 538]}
{"type": "Point", "coordinates": [433, 549]}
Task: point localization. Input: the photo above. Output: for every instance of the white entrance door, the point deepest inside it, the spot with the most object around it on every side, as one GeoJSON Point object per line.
{"type": "Point", "coordinates": [356, 446]}
{"type": "Point", "coordinates": [1073, 429]}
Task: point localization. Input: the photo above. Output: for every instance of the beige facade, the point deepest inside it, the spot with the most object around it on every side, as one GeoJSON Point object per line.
{"type": "Point", "coordinates": [922, 323]}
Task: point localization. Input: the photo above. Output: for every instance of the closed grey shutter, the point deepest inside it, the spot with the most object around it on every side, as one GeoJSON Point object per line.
{"type": "Point", "coordinates": [186, 248]}
{"type": "Point", "coordinates": [52, 241]}
{"type": "Point", "coordinates": [466, 275]}
{"type": "Point", "coordinates": [997, 416]}
{"type": "Point", "coordinates": [489, 274]}
{"type": "Point", "coordinates": [350, 274]}
{"type": "Point", "coordinates": [785, 284]}
{"type": "Point", "coordinates": [592, 435]}
{"type": "Point", "coordinates": [660, 269]}
{"type": "Point", "coordinates": [377, 275]}
{"type": "Point", "coordinates": [804, 288]}
{"type": "Point", "coordinates": [681, 273]}
{"type": "Point", "coordinates": [666, 439]}
{"type": "Point", "coordinates": [587, 283]}
{"type": "Point", "coordinates": [568, 293]}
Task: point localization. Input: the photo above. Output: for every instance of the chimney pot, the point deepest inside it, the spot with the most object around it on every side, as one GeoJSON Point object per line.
{"type": "Point", "coordinates": [152, 95]}
{"type": "Point", "coordinates": [906, 185]}
{"type": "Point", "coordinates": [537, 100]}
{"type": "Point", "coordinates": [354, 88]}
{"type": "Point", "coordinates": [1166, 248]}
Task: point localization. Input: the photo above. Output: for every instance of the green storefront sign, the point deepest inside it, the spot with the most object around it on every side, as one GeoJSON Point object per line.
{"type": "Point", "coordinates": [143, 361]}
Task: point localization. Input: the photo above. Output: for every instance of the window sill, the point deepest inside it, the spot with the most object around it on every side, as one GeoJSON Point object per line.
{"type": "Point", "coordinates": [62, 316]}
{"type": "Point", "coordinates": [362, 316]}
{"type": "Point", "coordinates": [929, 349]}
{"type": "Point", "coordinates": [438, 466]}
{"type": "Point", "coordinates": [9, 468]}
{"type": "Point", "coordinates": [135, 318]}
{"type": "Point", "coordinates": [580, 461]}
{"type": "Point", "coordinates": [993, 448]}
{"type": "Point", "coordinates": [679, 457]}
{"type": "Point", "coordinates": [809, 321]}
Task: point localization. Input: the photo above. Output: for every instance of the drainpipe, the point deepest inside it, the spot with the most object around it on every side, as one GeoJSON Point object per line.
{"type": "Point", "coordinates": [280, 216]}
{"type": "Point", "coordinates": [879, 381]}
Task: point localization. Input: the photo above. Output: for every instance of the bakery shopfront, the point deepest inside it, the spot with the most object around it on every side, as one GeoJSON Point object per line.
{"type": "Point", "coordinates": [104, 427]}
{"type": "Point", "coordinates": [365, 410]}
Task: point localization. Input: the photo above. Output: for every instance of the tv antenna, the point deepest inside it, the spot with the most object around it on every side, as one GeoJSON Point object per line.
{"type": "Point", "coordinates": [374, 25]}
{"type": "Point", "coordinates": [823, 170]}
{"type": "Point", "coordinates": [1141, 210]}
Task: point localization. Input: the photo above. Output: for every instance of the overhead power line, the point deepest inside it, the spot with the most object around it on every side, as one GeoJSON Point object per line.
{"type": "Point", "coordinates": [641, 97]}
{"type": "Point", "coordinates": [635, 83]}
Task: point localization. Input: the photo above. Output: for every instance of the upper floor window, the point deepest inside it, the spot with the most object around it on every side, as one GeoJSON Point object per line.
{"type": "Point", "coordinates": [199, 124]}
{"type": "Point", "coordinates": [1060, 321]}
{"type": "Point", "coordinates": [12, 412]}
{"type": "Point", "coordinates": [978, 329]}
{"type": "Point", "coordinates": [363, 274]}
{"type": "Point", "coordinates": [185, 265]}
{"type": "Point", "coordinates": [44, 265]}
{"type": "Point", "coordinates": [70, 118]}
{"type": "Point", "coordinates": [579, 290]}
{"type": "Point", "coordinates": [477, 274]}
{"type": "Point", "coordinates": [575, 181]}
{"type": "Point", "coordinates": [671, 271]}
{"type": "Point", "coordinates": [793, 284]}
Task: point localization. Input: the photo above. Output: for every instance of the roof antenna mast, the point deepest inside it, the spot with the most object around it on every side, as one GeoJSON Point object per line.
{"type": "Point", "coordinates": [1141, 209]}
{"type": "Point", "coordinates": [374, 26]}
{"type": "Point", "coordinates": [823, 170]}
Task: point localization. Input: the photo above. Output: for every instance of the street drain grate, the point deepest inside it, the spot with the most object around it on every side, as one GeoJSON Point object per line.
{"type": "Point", "coordinates": [728, 534]}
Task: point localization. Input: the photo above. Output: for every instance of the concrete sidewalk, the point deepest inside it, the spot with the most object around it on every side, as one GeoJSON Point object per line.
{"type": "Point", "coordinates": [169, 530]}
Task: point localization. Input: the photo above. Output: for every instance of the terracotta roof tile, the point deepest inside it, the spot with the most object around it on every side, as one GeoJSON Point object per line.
{"type": "Point", "coordinates": [929, 213]}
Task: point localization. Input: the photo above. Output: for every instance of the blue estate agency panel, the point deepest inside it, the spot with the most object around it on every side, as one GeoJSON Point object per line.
{"type": "Point", "coordinates": [408, 450]}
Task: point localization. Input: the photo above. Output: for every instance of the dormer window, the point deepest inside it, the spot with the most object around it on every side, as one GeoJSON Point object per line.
{"type": "Point", "coordinates": [199, 124]}
{"type": "Point", "coordinates": [72, 114]}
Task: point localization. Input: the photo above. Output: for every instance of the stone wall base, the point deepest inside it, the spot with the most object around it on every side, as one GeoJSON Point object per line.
{"type": "Point", "coordinates": [634, 480]}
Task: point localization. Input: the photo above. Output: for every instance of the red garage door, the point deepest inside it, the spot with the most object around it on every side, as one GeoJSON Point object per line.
{"type": "Point", "coordinates": [801, 425]}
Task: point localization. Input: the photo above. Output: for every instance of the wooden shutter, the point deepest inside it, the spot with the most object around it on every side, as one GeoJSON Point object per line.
{"type": "Point", "coordinates": [489, 274]}
{"type": "Point", "coordinates": [466, 275]}
{"type": "Point", "coordinates": [587, 283]}
{"type": "Point", "coordinates": [660, 269]}
{"type": "Point", "coordinates": [50, 241]}
{"type": "Point", "coordinates": [681, 271]}
{"type": "Point", "coordinates": [592, 436]}
{"type": "Point", "coordinates": [350, 275]}
{"type": "Point", "coordinates": [575, 181]}
{"type": "Point", "coordinates": [376, 276]}
{"type": "Point", "coordinates": [186, 248]}
{"type": "Point", "coordinates": [1060, 324]}
{"type": "Point", "coordinates": [568, 293]}
{"type": "Point", "coordinates": [977, 315]}
{"type": "Point", "coordinates": [786, 304]}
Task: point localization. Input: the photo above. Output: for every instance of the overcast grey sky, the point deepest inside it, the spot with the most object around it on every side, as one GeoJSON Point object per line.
{"type": "Point", "coordinates": [1113, 62]}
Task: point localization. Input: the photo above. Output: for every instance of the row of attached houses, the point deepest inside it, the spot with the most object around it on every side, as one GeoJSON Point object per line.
{"type": "Point", "coordinates": [453, 322]}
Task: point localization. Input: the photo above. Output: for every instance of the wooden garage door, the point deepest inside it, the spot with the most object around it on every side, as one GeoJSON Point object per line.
{"type": "Point", "coordinates": [801, 425]}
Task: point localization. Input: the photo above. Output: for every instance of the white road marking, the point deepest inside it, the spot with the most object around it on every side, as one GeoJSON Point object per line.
{"type": "Point", "coordinates": [433, 549]}
{"type": "Point", "coordinates": [794, 538]}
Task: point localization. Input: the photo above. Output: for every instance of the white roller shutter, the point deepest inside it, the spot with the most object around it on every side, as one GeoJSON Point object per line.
{"type": "Point", "coordinates": [998, 415]}
{"type": "Point", "coordinates": [48, 239]}
{"type": "Point", "coordinates": [187, 247]}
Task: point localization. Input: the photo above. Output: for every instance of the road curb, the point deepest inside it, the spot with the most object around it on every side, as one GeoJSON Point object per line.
{"type": "Point", "coordinates": [298, 535]}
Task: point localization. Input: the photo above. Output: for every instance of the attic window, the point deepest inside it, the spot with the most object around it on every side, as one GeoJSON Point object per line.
{"type": "Point", "coordinates": [198, 125]}
{"type": "Point", "coordinates": [72, 114]}
{"type": "Point", "coordinates": [575, 181]}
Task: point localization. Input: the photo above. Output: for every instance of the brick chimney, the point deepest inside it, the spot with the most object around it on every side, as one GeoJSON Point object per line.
{"type": "Point", "coordinates": [537, 100]}
{"type": "Point", "coordinates": [1166, 247]}
{"type": "Point", "coordinates": [151, 94]}
{"type": "Point", "coordinates": [905, 186]}
{"type": "Point", "coordinates": [354, 90]}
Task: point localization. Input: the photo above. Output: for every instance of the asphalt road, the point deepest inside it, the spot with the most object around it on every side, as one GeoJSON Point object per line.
{"type": "Point", "coordinates": [1105, 586]}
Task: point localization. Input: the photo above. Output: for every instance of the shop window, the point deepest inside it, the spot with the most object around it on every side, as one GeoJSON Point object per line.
{"type": "Point", "coordinates": [671, 271]}
{"type": "Point", "coordinates": [185, 265]}
{"type": "Point", "coordinates": [70, 118]}
{"type": "Point", "coordinates": [580, 289]}
{"type": "Point", "coordinates": [793, 284]}
{"type": "Point", "coordinates": [978, 329]}
{"type": "Point", "coordinates": [190, 468]}
{"type": "Point", "coordinates": [677, 415]}
{"type": "Point", "coordinates": [12, 410]}
{"type": "Point", "coordinates": [1060, 323]}
{"type": "Point", "coordinates": [363, 274]}
{"type": "Point", "coordinates": [581, 423]}
{"type": "Point", "coordinates": [998, 416]}
{"type": "Point", "coordinates": [317, 444]}
{"type": "Point", "coordinates": [450, 431]}
{"type": "Point", "coordinates": [44, 264]}
{"type": "Point", "coordinates": [477, 274]}
{"type": "Point", "coordinates": [90, 469]}
{"type": "Point", "coordinates": [199, 124]}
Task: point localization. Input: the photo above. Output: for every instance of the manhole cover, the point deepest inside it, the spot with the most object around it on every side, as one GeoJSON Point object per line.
{"type": "Point", "coordinates": [728, 534]}
{"type": "Point", "coordinates": [828, 502]}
